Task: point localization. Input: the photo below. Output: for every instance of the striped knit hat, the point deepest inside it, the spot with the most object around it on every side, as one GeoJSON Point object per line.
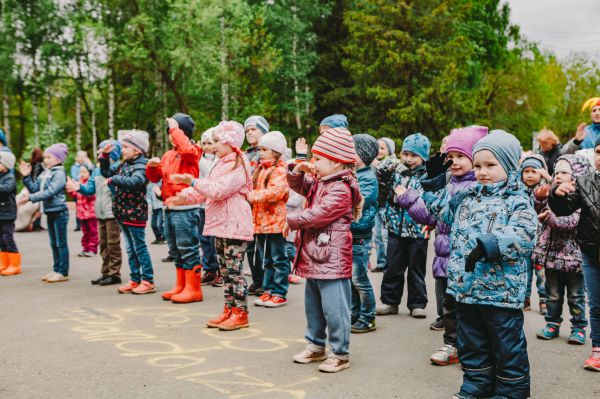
{"type": "Point", "coordinates": [336, 144]}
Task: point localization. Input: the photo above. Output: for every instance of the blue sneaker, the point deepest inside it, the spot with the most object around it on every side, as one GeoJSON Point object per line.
{"type": "Point", "coordinates": [577, 336]}
{"type": "Point", "coordinates": [549, 332]}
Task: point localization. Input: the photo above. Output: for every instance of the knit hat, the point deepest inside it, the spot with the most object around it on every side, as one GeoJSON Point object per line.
{"type": "Point", "coordinates": [207, 135]}
{"type": "Point", "coordinates": [59, 151]}
{"type": "Point", "coordinates": [390, 144]}
{"type": "Point", "coordinates": [258, 121]}
{"type": "Point", "coordinates": [274, 141]}
{"type": "Point", "coordinates": [534, 161]}
{"type": "Point", "coordinates": [3, 137]}
{"type": "Point", "coordinates": [418, 144]}
{"type": "Point", "coordinates": [137, 139]}
{"type": "Point", "coordinates": [186, 123]}
{"type": "Point", "coordinates": [7, 159]}
{"type": "Point", "coordinates": [336, 144]}
{"type": "Point", "coordinates": [115, 153]}
{"type": "Point", "coordinates": [366, 147]}
{"type": "Point", "coordinates": [335, 120]}
{"type": "Point", "coordinates": [505, 147]}
{"type": "Point", "coordinates": [591, 103]}
{"type": "Point", "coordinates": [463, 139]}
{"type": "Point", "coordinates": [230, 132]}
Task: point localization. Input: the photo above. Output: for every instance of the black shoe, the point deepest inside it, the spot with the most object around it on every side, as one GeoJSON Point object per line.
{"type": "Point", "coordinates": [437, 325]}
{"type": "Point", "coordinates": [209, 278]}
{"type": "Point", "coordinates": [251, 290]}
{"type": "Point", "coordinates": [96, 281]}
{"type": "Point", "coordinates": [167, 259]}
{"type": "Point", "coordinates": [110, 280]}
{"type": "Point", "coordinates": [79, 229]}
{"type": "Point", "coordinates": [259, 291]}
{"type": "Point", "coordinates": [377, 269]}
{"type": "Point", "coordinates": [158, 241]}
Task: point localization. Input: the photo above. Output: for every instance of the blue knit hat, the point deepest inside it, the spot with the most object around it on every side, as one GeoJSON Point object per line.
{"type": "Point", "coordinates": [3, 137]}
{"type": "Point", "coordinates": [535, 161]}
{"type": "Point", "coordinates": [418, 144]}
{"type": "Point", "coordinates": [505, 147]}
{"type": "Point", "coordinates": [115, 154]}
{"type": "Point", "coordinates": [335, 121]}
{"type": "Point", "coordinates": [258, 121]}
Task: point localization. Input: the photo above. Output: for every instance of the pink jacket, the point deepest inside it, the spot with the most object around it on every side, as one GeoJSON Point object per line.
{"type": "Point", "coordinates": [228, 214]}
{"type": "Point", "coordinates": [84, 204]}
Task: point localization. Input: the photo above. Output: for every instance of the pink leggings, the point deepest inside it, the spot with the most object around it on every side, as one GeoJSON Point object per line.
{"type": "Point", "coordinates": [89, 241]}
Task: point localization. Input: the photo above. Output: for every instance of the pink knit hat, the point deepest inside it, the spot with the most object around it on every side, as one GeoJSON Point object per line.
{"type": "Point", "coordinates": [463, 139]}
{"type": "Point", "coordinates": [230, 132]}
{"type": "Point", "coordinates": [336, 144]}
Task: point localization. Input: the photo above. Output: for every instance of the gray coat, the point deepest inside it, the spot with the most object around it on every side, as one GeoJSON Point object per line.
{"type": "Point", "coordinates": [49, 188]}
{"type": "Point", "coordinates": [95, 186]}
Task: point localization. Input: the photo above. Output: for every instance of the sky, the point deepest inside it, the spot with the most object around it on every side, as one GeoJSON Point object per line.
{"type": "Point", "coordinates": [562, 26]}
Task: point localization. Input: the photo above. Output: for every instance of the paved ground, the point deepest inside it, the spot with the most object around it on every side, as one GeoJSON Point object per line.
{"type": "Point", "coordinates": [74, 340]}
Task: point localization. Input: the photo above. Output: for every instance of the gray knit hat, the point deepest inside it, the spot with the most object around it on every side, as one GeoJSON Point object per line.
{"type": "Point", "coordinates": [7, 159]}
{"type": "Point", "coordinates": [137, 139]}
{"type": "Point", "coordinates": [366, 147]}
{"type": "Point", "coordinates": [258, 121]}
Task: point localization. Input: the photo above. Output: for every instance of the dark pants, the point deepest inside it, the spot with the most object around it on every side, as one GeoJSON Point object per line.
{"type": "Point", "coordinates": [255, 263]}
{"type": "Point", "coordinates": [556, 284]}
{"type": "Point", "coordinates": [158, 224]}
{"type": "Point", "coordinates": [140, 265]}
{"type": "Point", "coordinates": [440, 291]}
{"type": "Point", "coordinates": [110, 247]}
{"type": "Point", "coordinates": [591, 272]}
{"type": "Point", "coordinates": [207, 243]}
{"type": "Point", "coordinates": [181, 232]}
{"type": "Point", "coordinates": [7, 236]}
{"type": "Point", "coordinates": [493, 351]}
{"type": "Point", "coordinates": [57, 230]}
{"type": "Point", "coordinates": [449, 320]}
{"type": "Point", "coordinates": [276, 263]}
{"type": "Point", "coordinates": [403, 254]}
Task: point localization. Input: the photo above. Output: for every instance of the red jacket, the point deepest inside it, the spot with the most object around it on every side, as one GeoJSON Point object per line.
{"type": "Point", "coordinates": [268, 200]}
{"type": "Point", "coordinates": [183, 158]}
{"type": "Point", "coordinates": [328, 214]}
{"type": "Point", "coordinates": [84, 204]}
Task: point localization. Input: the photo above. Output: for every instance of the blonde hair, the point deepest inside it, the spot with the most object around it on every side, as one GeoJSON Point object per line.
{"type": "Point", "coordinates": [547, 135]}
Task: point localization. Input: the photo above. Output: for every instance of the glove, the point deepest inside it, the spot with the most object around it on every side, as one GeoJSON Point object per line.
{"type": "Point", "coordinates": [437, 165]}
{"type": "Point", "coordinates": [476, 254]}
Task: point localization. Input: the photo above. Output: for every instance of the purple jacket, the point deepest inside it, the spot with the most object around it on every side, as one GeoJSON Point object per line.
{"type": "Point", "coordinates": [414, 204]}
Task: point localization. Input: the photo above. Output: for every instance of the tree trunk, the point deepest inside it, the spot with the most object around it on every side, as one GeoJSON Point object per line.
{"type": "Point", "coordinates": [49, 116]}
{"type": "Point", "coordinates": [36, 123]}
{"type": "Point", "coordinates": [78, 121]}
{"type": "Point", "coordinates": [224, 74]}
{"type": "Point", "coordinates": [295, 70]}
{"type": "Point", "coordinates": [5, 114]}
{"type": "Point", "coordinates": [111, 106]}
{"type": "Point", "coordinates": [94, 134]}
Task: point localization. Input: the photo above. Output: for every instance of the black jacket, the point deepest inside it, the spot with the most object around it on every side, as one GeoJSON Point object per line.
{"type": "Point", "coordinates": [8, 192]}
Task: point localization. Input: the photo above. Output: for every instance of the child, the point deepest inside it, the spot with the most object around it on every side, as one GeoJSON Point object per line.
{"type": "Point", "coordinates": [558, 252]}
{"type": "Point", "coordinates": [181, 221]}
{"type": "Point", "coordinates": [363, 298]}
{"type": "Point", "coordinates": [86, 216]}
{"type": "Point", "coordinates": [81, 159]}
{"type": "Point", "coordinates": [128, 180]}
{"type": "Point", "coordinates": [459, 150]}
{"type": "Point", "coordinates": [268, 199]}
{"type": "Point", "coordinates": [493, 230]}
{"type": "Point", "coordinates": [325, 245]}
{"type": "Point", "coordinates": [407, 246]}
{"type": "Point", "coordinates": [228, 218]}
{"type": "Point", "coordinates": [10, 258]}
{"type": "Point", "coordinates": [333, 122]}
{"type": "Point", "coordinates": [154, 198]}
{"type": "Point", "coordinates": [565, 199]}
{"type": "Point", "coordinates": [49, 189]}
{"type": "Point", "coordinates": [295, 204]}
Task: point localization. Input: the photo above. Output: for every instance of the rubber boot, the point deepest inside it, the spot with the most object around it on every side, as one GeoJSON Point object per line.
{"type": "Point", "coordinates": [4, 261]}
{"type": "Point", "coordinates": [237, 320]}
{"type": "Point", "coordinates": [214, 323]}
{"type": "Point", "coordinates": [179, 285]}
{"type": "Point", "coordinates": [192, 291]}
{"type": "Point", "coordinates": [14, 262]}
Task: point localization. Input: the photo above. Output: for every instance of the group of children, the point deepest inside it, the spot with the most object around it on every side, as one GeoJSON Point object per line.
{"type": "Point", "coordinates": [498, 219]}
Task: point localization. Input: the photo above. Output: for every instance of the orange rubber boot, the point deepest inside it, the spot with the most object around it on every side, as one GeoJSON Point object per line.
{"type": "Point", "coordinates": [4, 261]}
{"type": "Point", "coordinates": [14, 262]}
{"type": "Point", "coordinates": [214, 323]}
{"type": "Point", "coordinates": [237, 320]}
{"type": "Point", "coordinates": [192, 291]}
{"type": "Point", "coordinates": [179, 285]}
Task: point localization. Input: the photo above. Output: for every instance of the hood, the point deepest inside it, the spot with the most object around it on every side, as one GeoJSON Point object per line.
{"type": "Point", "coordinates": [580, 165]}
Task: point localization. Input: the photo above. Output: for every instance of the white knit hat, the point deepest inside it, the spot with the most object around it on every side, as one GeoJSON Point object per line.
{"type": "Point", "coordinates": [274, 141]}
{"type": "Point", "coordinates": [137, 139]}
{"type": "Point", "coordinates": [207, 135]}
{"type": "Point", "coordinates": [7, 159]}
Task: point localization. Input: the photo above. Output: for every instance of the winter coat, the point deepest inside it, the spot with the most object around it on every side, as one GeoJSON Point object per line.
{"type": "Point", "coordinates": [384, 171]}
{"type": "Point", "coordinates": [268, 199]}
{"type": "Point", "coordinates": [328, 214]}
{"type": "Point", "coordinates": [414, 204]}
{"type": "Point", "coordinates": [253, 154]}
{"type": "Point", "coordinates": [367, 182]}
{"type": "Point", "coordinates": [501, 218]}
{"type": "Point", "coordinates": [396, 219]}
{"type": "Point", "coordinates": [8, 193]}
{"type": "Point", "coordinates": [206, 163]}
{"type": "Point", "coordinates": [128, 179]}
{"type": "Point", "coordinates": [551, 156]}
{"type": "Point", "coordinates": [295, 204]}
{"type": "Point", "coordinates": [228, 213]}
{"type": "Point", "coordinates": [103, 206]}
{"type": "Point", "coordinates": [49, 188]}
{"type": "Point", "coordinates": [592, 134]}
{"type": "Point", "coordinates": [85, 203]}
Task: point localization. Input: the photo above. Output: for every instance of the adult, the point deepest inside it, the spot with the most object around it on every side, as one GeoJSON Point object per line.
{"type": "Point", "coordinates": [551, 147]}
{"type": "Point", "coordinates": [590, 133]}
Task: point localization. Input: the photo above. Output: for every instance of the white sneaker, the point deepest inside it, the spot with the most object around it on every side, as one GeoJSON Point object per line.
{"type": "Point", "coordinates": [57, 278]}
{"type": "Point", "coordinates": [445, 356]}
{"type": "Point", "coordinates": [47, 276]}
{"type": "Point", "coordinates": [308, 356]}
{"type": "Point", "coordinates": [385, 309]}
{"type": "Point", "coordinates": [418, 313]}
{"type": "Point", "coordinates": [333, 365]}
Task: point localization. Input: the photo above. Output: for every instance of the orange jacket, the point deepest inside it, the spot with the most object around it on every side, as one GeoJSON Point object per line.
{"type": "Point", "coordinates": [268, 201]}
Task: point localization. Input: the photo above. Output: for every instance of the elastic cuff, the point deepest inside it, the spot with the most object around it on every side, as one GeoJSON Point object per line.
{"type": "Point", "coordinates": [490, 246]}
{"type": "Point", "coordinates": [345, 356]}
{"type": "Point", "coordinates": [577, 142]}
{"type": "Point", "coordinates": [314, 347]}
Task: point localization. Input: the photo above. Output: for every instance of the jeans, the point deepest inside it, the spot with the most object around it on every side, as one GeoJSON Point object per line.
{"type": "Point", "coordinates": [290, 250]}
{"type": "Point", "coordinates": [57, 230]}
{"type": "Point", "coordinates": [363, 297]}
{"type": "Point", "coordinates": [327, 307]}
{"type": "Point", "coordinates": [89, 239]}
{"type": "Point", "coordinates": [381, 239]}
{"type": "Point", "coordinates": [140, 265]}
{"type": "Point", "coordinates": [181, 232]}
{"type": "Point", "coordinates": [7, 236]}
{"type": "Point", "coordinates": [255, 263]}
{"type": "Point", "coordinates": [556, 283]}
{"type": "Point", "coordinates": [276, 263]}
{"type": "Point", "coordinates": [591, 273]}
{"type": "Point", "coordinates": [158, 224]}
{"type": "Point", "coordinates": [207, 243]}
{"type": "Point", "coordinates": [539, 280]}
{"type": "Point", "coordinates": [493, 351]}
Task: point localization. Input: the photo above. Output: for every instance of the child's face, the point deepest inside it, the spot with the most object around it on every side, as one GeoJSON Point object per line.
{"type": "Point", "coordinates": [50, 160]}
{"type": "Point", "coordinates": [267, 154]}
{"type": "Point", "coordinates": [531, 177]}
{"type": "Point", "coordinates": [596, 114]}
{"type": "Point", "coordinates": [208, 146]}
{"type": "Point", "coordinates": [461, 165]}
{"type": "Point", "coordinates": [84, 173]}
{"type": "Point", "coordinates": [128, 152]}
{"type": "Point", "coordinates": [222, 149]}
{"type": "Point", "coordinates": [563, 173]}
{"type": "Point", "coordinates": [383, 150]}
{"type": "Point", "coordinates": [488, 169]}
{"type": "Point", "coordinates": [597, 157]}
{"type": "Point", "coordinates": [252, 135]}
{"type": "Point", "coordinates": [3, 169]}
{"type": "Point", "coordinates": [326, 166]}
{"type": "Point", "coordinates": [322, 128]}
{"type": "Point", "coordinates": [411, 160]}
{"type": "Point", "coordinates": [79, 159]}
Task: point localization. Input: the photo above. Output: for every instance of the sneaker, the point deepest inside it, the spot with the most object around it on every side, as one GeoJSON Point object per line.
{"type": "Point", "coordinates": [577, 336]}
{"type": "Point", "coordinates": [377, 269]}
{"type": "Point", "coordinates": [549, 332]}
{"type": "Point", "coordinates": [275, 302]}
{"type": "Point", "coordinates": [293, 279]}
{"type": "Point", "coordinates": [333, 365]}
{"type": "Point", "coordinates": [437, 325]}
{"type": "Point", "coordinates": [418, 313]}
{"type": "Point", "coordinates": [251, 289]}
{"type": "Point", "coordinates": [145, 287]}
{"type": "Point", "coordinates": [260, 301]}
{"type": "Point", "coordinates": [57, 278]}
{"type": "Point", "coordinates": [385, 309]}
{"type": "Point", "coordinates": [209, 277]}
{"type": "Point", "coordinates": [167, 259]}
{"type": "Point", "coordinates": [543, 309]}
{"type": "Point", "coordinates": [81, 254]}
{"type": "Point", "coordinates": [259, 291]}
{"type": "Point", "coordinates": [593, 362]}
{"type": "Point", "coordinates": [308, 356]}
{"type": "Point", "coordinates": [47, 276]}
{"type": "Point", "coordinates": [360, 327]}
{"type": "Point", "coordinates": [247, 272]}
{"type": "Point", "coordinates": [527, 305]}
{"type": "Point", "coordinates": [88, 254]}
{"type": "Point", "coordinates": [445, 356]}
{"type": "Point", "coordinates": [158, 241]}
{"type": "Point", "coordinates": [127, 288]}
{"type": "Point", "coordinates": [464, 395]}
{"type": "Point", "coordinates": [218, 282]}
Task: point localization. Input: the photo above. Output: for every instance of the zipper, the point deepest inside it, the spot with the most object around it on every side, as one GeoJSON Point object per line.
{"type": "Point", "coordinates": [403, 210]}
{"type": "Point", "coordinates": [491, 222]}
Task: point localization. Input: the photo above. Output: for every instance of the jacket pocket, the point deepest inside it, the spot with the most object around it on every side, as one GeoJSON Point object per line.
{"type": "Point", "coordinates": [318, 253]}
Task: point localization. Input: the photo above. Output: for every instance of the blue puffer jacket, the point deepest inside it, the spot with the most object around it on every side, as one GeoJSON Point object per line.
{"type": "Point", "coordinates": [501, 217]}
{"type": "Point", "coordinates": [396, 219]}
{"type": "Point", "coordinates": [367, 182]}
{"type": "Point", "coordinates": [49, 188]}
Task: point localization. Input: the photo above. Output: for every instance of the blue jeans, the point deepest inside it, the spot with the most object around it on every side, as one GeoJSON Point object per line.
{"type": "Point", "coordinates": [591, 273]}
{"type": "Point", "coordinates": [181, 232]}
{"type": "Point", "coordinates": [556, 284]}
{"type": "Point", "coordinates": [363, 297]}
{"type": "Point", "coordinates": [276, 263]}
{"type": "Point", "coordinates": [140, 265]}
{"type": "Point", "coordinates": [157, 223]}
{"type": "Point", "coordinates": [290, 250]}
{"type": "Point", "coordinates": [381, 239]}
{"type": "Point", "coordinates": [207, 243]}
{"type": "Point", "coordinates": [540, 281]}
{"type": "Point", "coordinates": [327, 307]}
{"type": "Point", "coordinates": [57, 229]}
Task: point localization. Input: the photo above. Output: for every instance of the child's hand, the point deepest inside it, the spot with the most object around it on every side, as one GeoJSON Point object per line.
{"type": "Point", "coordinates": [24, 168]}
{"type": "Point", "coordinates": [182, 178]}
{"type": "Point", "coordinates": [301, 146]}
{"type": "Point", "coordinates": [171, 123]}
{"type": "Point", "coordinates": [580, 133]}
{"type": "Point", "coordinates": [437, 165]}
{"type": "Point", "coordinates": [286, 230]}
{"type": "Point", "coordinates": [545, 175]}
{"type": "Point", "coordinates": [157, 191]}
{"type": "Point", "coordinates": [153, 162]}
{"type": "Point", "coordinates": [400, 190]}
{"type": "Point", "coordinates": [541, 193]}
{"type": "Point", "coordinates": [473, 257]}
{"type": "Point", "coordinates": [24, 198]}
{"type": "Point", "coordinates": [107, 148]}
{"type": "Point", "coordinates": [177, 200]}
{"type": "Point", "coordinates": [543, 216]}
{"type": "Point", "coordinates": [565, 188]}
{"type": "Point", "coordinates": [305, 167]}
